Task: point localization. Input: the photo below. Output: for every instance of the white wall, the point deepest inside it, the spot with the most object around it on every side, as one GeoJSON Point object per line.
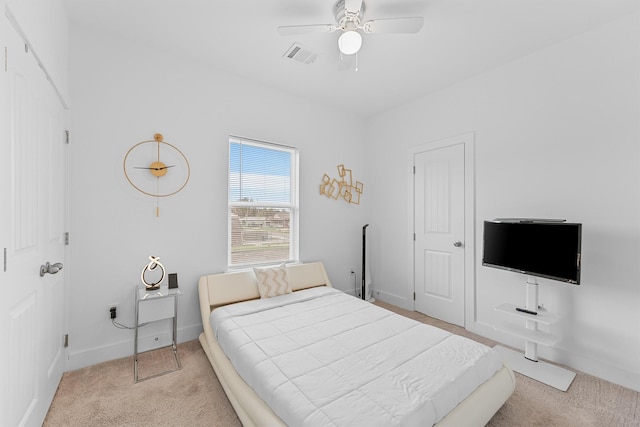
{"type": "Point", "coordinates": [123, 93]}
{"type": "Point", "coordinates": [556, 136]}
{"type": "Point", "coordinates": [44, 24]}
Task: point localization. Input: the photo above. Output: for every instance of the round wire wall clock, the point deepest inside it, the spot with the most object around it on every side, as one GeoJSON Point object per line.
{"type": "Point", "coordinates": [156, 168]}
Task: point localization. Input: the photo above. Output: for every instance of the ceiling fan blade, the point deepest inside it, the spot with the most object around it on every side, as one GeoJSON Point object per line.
{"type": "Point", "coordinates": [353, 6]}
{"type": "Point", "coordinates": [394, 25]}
{"type": "Point", "coordinates": [289, 30]}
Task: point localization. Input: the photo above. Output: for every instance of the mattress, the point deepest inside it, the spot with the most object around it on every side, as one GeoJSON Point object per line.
{"type": "Point", "coordinates": [319, 357]}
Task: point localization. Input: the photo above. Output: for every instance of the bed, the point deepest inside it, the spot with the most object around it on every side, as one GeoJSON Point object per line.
{"type": "Point", "coordinates": [317, 356]}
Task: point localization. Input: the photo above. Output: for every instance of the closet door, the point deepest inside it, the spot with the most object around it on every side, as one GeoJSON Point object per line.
{"type": "Point", "coordinates": [33, 221]}
{"type": "Point", "coordinates": [439, 224]}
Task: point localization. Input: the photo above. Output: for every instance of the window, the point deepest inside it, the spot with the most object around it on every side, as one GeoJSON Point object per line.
{"type": "Point", "coordinates": [263, 203]}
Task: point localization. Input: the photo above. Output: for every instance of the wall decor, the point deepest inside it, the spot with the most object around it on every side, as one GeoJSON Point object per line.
{"type": "Point", "coordinates": [342, 187]}
{"type": "Point", "coordinates": [156, 168]}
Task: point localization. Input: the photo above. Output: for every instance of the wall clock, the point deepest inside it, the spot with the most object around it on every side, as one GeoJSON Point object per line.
{"type": "Point", "coordinates": [156, 168]}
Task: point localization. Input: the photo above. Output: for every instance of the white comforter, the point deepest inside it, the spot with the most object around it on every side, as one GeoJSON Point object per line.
{"type": "Point", "coordinates": [320, 357]}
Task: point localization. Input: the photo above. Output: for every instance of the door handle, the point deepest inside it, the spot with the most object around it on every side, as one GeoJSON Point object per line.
{"type": "Point", "coordinates": [457, 244]}
{"type": "Point", "coordinates": [50, 268]}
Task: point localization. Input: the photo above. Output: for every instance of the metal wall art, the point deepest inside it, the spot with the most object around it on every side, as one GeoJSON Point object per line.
{"type": "Point", "coordinates": [342, 187]}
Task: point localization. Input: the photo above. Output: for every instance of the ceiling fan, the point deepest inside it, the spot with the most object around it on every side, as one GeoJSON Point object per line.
{"type": "Point", "coordinates": [349, 17]}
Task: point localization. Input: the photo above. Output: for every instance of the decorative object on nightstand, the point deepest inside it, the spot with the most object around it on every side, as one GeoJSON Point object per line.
{"type": "Point", "coordinates": [154, 262]}
{"type": "Point", "coordinates": [342, 188]}
{"type": "Point", "coordinates": [156, 168]}
{"type": "Point", "coordinates": [173, 280]}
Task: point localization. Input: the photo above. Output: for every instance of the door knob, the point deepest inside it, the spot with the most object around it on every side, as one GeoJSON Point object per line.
{"type": "Point", "coordinates": [457, 244]}
{"type": "Point", "coordinates": [50, 268]}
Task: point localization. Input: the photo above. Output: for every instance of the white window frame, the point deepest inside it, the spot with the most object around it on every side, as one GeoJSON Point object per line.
{"type": "Point", "coordinates": [292, 206]}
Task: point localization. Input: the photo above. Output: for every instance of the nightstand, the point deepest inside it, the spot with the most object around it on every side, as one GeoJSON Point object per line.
{"type": "Point", "coordinates": [152, 306]}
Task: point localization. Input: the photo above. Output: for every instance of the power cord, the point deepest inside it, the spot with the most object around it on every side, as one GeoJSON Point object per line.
{"type": "Point", "coordinates": [121, 326]}
{"type": "Point", "coordinates": [355, 284]}
{"type": "Point", "coordinates": [113, 315]}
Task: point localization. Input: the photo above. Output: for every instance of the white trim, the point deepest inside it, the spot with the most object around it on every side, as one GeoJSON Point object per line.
{"type": "Point", "coordinates": [468, 141]}
{"type": "Point", "coordinates": [293, 204]}
{"type": "Point", "coordinates": [394, 299]}
{"type": "Point", "coordinates": [561, 355]}
{"type": "Point", "coordinates": [93, 356]}
{"type": "Point", "coordinates": [18, 28]}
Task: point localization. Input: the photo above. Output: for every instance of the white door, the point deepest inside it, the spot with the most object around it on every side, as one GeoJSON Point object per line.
{"type": "Point", "coordinates": [439, 221]}
{"type": "Point", "coordinates": [33, 220]}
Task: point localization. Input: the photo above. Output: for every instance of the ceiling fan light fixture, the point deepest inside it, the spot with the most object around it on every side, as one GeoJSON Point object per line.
{"type": "Point", "coordinates": [349, 42]}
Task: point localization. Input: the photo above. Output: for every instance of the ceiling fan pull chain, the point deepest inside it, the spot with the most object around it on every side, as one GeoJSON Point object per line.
{"type": "Point", "coordinates": [356, 62]}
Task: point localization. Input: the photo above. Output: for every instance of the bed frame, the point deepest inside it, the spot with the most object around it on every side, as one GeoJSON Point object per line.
{"type": "Point", "coordinates": [216, 290]}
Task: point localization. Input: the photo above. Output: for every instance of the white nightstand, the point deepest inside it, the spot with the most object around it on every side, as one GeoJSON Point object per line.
{"type": "Point", "coordinates": [150, 307]}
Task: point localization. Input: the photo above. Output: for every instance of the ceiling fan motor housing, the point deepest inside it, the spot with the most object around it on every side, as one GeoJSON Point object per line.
{"type": "Point", "coordinates": [348, 21]}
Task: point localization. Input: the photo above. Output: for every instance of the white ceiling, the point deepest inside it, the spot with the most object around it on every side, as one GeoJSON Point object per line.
{"type": "Point", "coordinates": [460, 38]}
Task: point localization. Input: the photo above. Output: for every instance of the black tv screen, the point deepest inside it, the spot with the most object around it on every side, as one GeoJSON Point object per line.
{"type": "Point", "coordinates": [545, 249]}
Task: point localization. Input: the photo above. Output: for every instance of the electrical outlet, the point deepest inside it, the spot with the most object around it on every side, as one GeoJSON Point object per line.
{"type": "Point", "coordinates": [113, 311]}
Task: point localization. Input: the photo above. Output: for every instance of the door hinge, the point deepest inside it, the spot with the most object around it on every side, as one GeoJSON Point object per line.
{"type": "Point", "coordinates": [414, 296]}
{"type": "Point", "coordinates": [66, 238]}
{"type": "Point", "coordinates": [414, 237]}
{"type": "Point", "coordinates": [66, 136]}
{"type": "Point", "coordinates": [66, 340]}
{"type": "Point", "coordinates": [414, 169]}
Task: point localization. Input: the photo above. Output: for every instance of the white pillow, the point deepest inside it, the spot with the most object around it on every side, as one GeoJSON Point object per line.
{"type": "Point", "coordinates": [272, 281]}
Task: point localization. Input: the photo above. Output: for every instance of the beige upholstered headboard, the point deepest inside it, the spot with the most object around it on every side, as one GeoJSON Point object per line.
{"type": "Point", "coordinates": [220, 289]}
{"type": "Point", "coordinates": [227, 288]}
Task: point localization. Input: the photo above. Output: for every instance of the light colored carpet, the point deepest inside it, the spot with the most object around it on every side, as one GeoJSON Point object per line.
{"type": "Point", "coordinates": [105, 395]}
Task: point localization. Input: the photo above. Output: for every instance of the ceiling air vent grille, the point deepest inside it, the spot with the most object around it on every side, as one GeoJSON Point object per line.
{"type": "Point", "coordinates": [300, 53]}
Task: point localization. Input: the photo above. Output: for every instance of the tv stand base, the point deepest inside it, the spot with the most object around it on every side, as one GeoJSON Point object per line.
{"type": "Point", "coordinates": [538, 370]}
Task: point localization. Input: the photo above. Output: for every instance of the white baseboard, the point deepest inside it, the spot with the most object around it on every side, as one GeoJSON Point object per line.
{"type": "Point", "coordinates": [393, 299]}
{"type": "Point", "coordinates": [557, 354]}
{"type": "Point", "coordinates": [93, 356]}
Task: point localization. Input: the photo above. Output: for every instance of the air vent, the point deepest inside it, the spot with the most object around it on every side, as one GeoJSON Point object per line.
{"type": "Point", "coordinates": [300, 53]}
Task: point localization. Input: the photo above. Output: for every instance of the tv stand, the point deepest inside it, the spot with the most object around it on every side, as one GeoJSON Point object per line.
{"type": "Point", "coordinates": [529, 365]}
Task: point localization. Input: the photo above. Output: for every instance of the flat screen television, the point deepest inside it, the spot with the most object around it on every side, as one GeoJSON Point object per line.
{"type": "Point", "coordinates": [543, 248]}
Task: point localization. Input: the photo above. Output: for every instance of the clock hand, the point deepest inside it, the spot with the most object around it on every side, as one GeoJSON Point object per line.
{"type": "Point", "coordinates": [154, 169]}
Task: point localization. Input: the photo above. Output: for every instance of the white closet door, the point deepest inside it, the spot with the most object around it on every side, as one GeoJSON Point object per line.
{"type": "Point", "coordinates": [33, 221]}
{"type": "Point", "coordinates": [439, 217]}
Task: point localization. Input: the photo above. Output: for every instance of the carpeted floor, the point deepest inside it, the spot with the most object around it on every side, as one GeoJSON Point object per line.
{"type": "Point", "coordinates": [105, 395]}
